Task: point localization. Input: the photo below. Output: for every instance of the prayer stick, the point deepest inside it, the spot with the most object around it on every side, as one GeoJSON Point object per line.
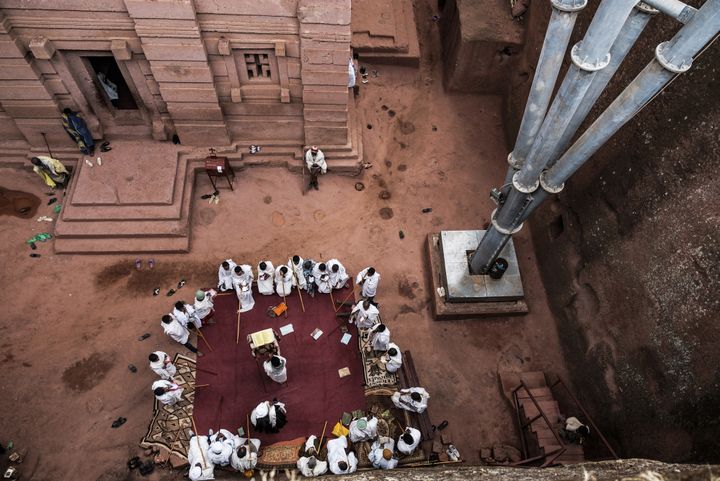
{"type": "Point", "coordinates": [192, 418]}
{"type": "Point", "coordinates": [352, 291]}
{"type": "Point", "coordinates": [200, 385]}
{"type": "Point", "coordinates": [284, 299]}
{"type": "Point", "coordinates": [247, 417]}
{"type": "Point", "coordinates": [297, 282]}
{"type": "Point", "coordinates": [237, 336]}
{"type": "Point", "coordinates": [332, 301]}
{"type": "Point", "coordinates": [202, 336]}
{"type": "Point", "coordinates": [321, 438]}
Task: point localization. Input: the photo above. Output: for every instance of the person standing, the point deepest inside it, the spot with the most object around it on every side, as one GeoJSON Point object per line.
{"type": "Point", "coordinates": [242, 280]}
{"type": "Point", "coordinates": [204, 307]}
{"type": "Point", "coordinates": [225, 272]}
{"type": "Point", "coordinates": [308, 464]}
{"type": "Point", "coordinates": [409, 441]}
{"type": "Point", "coordinates": [339, 459]}
{"type": "Point", "coordinates": [221, 447]}
{"type": "Point", "coordinates": [368, 279]}
{"type": "Point", "coordinates": [380, 339]}
{"type": "Point", "coordinates": [392, 358]}
{"type": "Point", "coordinates": [296, 264]}
{"type": "Point", "coordinates": [162, 365]}
{"type": "Point", "coordinates": [316, 165]}
{"type": "Point", "coordinates": [338, 274]}
{"type": "Point", "coordinates": [276, 369]}
{"type": "Point", "coordinates": [245, 456]}
{"type": "Point", "coordinates": [185, 314]}
{"type": "Point", "coordinates": [167, 392]}
{"type": "Point", "coordinates": [363, 429]}
{"type": "Point", "coordinates": [322, 278]}
{"type": "Point", "coordinates": [364, 314]}
{"type": "Point", "coordinates": [269, 417]}
{"type": "Point", "coordinates": [178, 332]}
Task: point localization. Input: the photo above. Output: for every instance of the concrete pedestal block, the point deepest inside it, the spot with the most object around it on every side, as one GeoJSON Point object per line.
{"type": "Point", "coordinates": [42, 48]}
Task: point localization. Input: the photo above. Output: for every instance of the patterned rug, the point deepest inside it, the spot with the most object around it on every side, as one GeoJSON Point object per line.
{"type": "Point", "coordinates": [170, 425]}
{"type": "Point", "coordinates": [280, 455]}
{"type": "Point", "coordinates": [375, 373]}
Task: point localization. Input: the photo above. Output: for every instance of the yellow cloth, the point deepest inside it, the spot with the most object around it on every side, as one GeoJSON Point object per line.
{"type": "Point", "coordinates": [55, 165]}
{"type": "Point", "coordinates": [340, 430]}
{"type": "Point", "coordinates": [45, 177]}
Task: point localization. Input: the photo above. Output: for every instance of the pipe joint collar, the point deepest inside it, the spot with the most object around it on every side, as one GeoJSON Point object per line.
{"type": "Point", "coordinates": [553, 189]}
{"type": "Point", "coordinates": [586, 63]}
{"type": "Point", "coordinates": [514, 163]}
{"type": "Point", "coordinates": [645, 8]}
{"type": "Point", "coordinates": [524, 188]}
{"type": "Point", "coordinates": [500, 229]}
{"type": "Point", "coordinates": [569, 5]}
{"type": "Point", "coordinates": [683, 66]}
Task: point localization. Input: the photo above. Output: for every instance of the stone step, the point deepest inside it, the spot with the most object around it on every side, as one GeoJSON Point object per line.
{"type": "Point", "coordinates": [13, 153]}
{"type": "Point", "coordinates": [121, 245]}
{"type": "Point", "coordinates": [550, 409]}
{"type": "Point", "coordinates": [123, 229]}
{"type": "Point", "coordinates": [533, 379]}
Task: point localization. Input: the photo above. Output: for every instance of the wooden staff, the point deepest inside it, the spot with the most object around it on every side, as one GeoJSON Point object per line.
{"type": "Point", "coordinates": [332, 301]}
{"type": "Point", "coordinates": [352, 291]}
{"type": "Point", "coordinates": [237, 336]}
{"type": "Point", "coordinates": [297, 282]}
{"type": "Point", "coordinates": [200, 385]}
{"type": "Point", "coordinates": [192, 418]}
{"type": "Point", "coordinates": [202, 336]}
{"type": "Point", "coordinates": [247, 418]}
{"type": "Point", "coordinates": [284, 299]}
{"type": "Point", "coordinates": [321, 438]}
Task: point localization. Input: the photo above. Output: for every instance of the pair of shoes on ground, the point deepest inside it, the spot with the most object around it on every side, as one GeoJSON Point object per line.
{"type": "Point", "coordinates": [139, 262]}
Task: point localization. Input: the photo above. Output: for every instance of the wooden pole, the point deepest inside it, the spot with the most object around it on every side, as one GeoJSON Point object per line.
{"type": "Point", "coordinates": [352, 291]}
{"type": "Point", "coordinates": [237, 335]}
{"type": "Point", "coordinates": [284, 299]}
{"type": "Point", "coordinates": [321, 438]}
{"type": "Point", "coordinates": [247, 418]}
{"type": "Point", "coordinates": [192, 418]}
{"type": "Point", "coordinates": [46, 144]}
{"type": "Point", "coordinates": [202, 336]}
{"type": "Point", "coordinates": [200, 385]}
{"type": "Point", "coordinates": [332, 301]}
{"type": "Point", "coordinates": [297, 282]}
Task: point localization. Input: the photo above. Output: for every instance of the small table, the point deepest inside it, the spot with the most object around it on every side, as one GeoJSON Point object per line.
{"type": "Point", "coordinates": [264, 342]}
{"type": "Point", "coordinates": [219, 167]}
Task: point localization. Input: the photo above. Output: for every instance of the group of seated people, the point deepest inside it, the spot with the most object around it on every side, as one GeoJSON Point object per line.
{"type": "Point", "coordinates": [221, 449]}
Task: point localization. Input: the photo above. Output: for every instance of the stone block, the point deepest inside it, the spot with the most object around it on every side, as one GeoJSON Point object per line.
{"type": "Point", "coordinates": [274, 8]}
{"type": "Point", "coordinates": [285, 96]}
{"type": "Point", "coordinates": [200, 112]}
{"type": "Point", "coordinates": [31, 109]}
{"type": "Point", "coordinates": [121, 50]}
{"type": "Point", "coordinates": [280, 49]}
{"type": "Point", "coordinates": [25, 90]}
{"type": "Point", "coordinates": [292, 49]}
{"type": "Point", "coordinates": [161, 9]}
{"type": "Point", "coordinates": [194, 52]}
{"type": "Point", "coordinates": [16, 69]}
{"type": "Point", "coordinates": [181, 72]}
{"type": "Point", "coordinates": [224, 46]}
{"type": "Point", "coordinates": [329, 113]}
{"type": "Point", "coordinates": [11, 48]}
{"type": "Point", "coordinates": [317, 56]}
{"type": "Point", "coordinates": [202, 133]}
{"type": "Point", "coordinates": [337, 77]}
{"type": "Point", "coordinates": [336, 12]}
{"type": "Point", "coordinates": [158, 130]}
{"type": "Point", "coordinates": [324, 135]}
{"type": "Point", "coordinates": [189, 93]}
{"type": "Point", "coordinates": [42, 48]}
{"type": "Point", "coordinates": [293, 68]}
{"type": "Point", "coordinates": [314, 95]}
{"type": "Point", "coordinates": [236, 95]}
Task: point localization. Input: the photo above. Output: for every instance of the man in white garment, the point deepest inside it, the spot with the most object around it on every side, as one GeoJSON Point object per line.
{"type": "Point", "coordinates": [363, 429]}
{"type": "Point", "coordinates": [308, 270]}
{"type": "Point", "coordinates": [225, 272]}
{"type": "Point", "coordinates": [276, 369]}
{"type": "Point", "coordinates": [316, 165]}
{"type": "Point", "coordinates": [295, 263]}
{"type": "Point", "coordinates": [364, 314]}
{"type": "Point", "coordinates": [222, 445]}
{"type": "Point", "coordinates": [368, 279]}
{"type": "Point", "coordinates": [269, 417]}
{"type": "Point", "coordinates": [409, 441]}
{"type": "Point", "coordinates": [413, 399]}
{"type": "Point", "coordinates": [201, 468]}
{"type": "Point", "coordinates": [338, 275]}
{"type": "Point", "coordinates": [162, 365]}
{"type": "Point", "coordinates": [322, 278]}
{"type": "Point", "coordinates": [392, 358]}
{"type": "Point", "coordinates": [242, 280]}
{"type": "Point", "coordinates": [308, 464]}
{"type": "Point", "coordinates": [178, 332]}
{"type": "Point", "coordinates": [204, 306]}
{"type": "Point", "coordinates": [380, 337]}
{"type": "Point", "coordinates": [266, 272]}
{"type": "Point", "coordinates": [381, 453]}
{"type": "Point", "coordinates": [245, 456]}
{"type": "Point", "coordinates": [185, 314]}
{"type": "Point", "coordinates": [284, 281]}
{"type": "Point", "coordinates": [167, 392]}
{"type": "Point", "coordinates": [339, 460]}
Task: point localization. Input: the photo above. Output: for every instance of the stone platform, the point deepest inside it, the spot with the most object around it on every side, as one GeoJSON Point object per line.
{"type": "Point", "coordinates": [444, 309]}
{"type": "Point", "coordinates": [383, 31]}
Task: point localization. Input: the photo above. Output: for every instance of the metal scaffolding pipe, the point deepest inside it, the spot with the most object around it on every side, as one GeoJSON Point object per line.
{"type": "Point", "coordinates": [557, 37]}
{"type": "Point", "coordinates": [631, 30]}
{"type": "Point", "coordinates": [675, 8]}
{"type": "Point", "coordinates": [671, 58]}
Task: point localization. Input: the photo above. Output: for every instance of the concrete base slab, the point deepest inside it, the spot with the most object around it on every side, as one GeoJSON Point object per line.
{"type": "Point", "coordinates": [443, 310]}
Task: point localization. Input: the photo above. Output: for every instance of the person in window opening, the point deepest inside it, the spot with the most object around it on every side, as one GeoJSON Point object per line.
{"type": "Point", "coordinates": [109, 87]}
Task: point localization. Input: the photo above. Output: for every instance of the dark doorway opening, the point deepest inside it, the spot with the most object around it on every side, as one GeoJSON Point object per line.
{"type": "Point", "coordinates": [111, 83]}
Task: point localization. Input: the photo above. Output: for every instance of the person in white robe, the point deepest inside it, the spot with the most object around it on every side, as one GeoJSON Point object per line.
{"type": "Point", "coordinates": [364, 314]}
{"type": "Point", "coordinates": [204, 305]}
{"type": "Point", "coordinates": [284, 281]}
{"type": "Point", "coordinates": [201, 468]}
{"type": "Point", "coordinates": [167, 392]}
{"type": "Point", "coordinates": [380, 337]}
{"type": "Point", "coordinates": [363, 429]}
{"type": "Point", "coordinates": [413, 399]}
{"type": "Point", "coordinates": [368, 279]}
{"type": "Point", "coordinates": [308, 464]}
{"type": "Point", "coordinates": [392, 358]}
{"type": "Point", "coordinates": [242, 280]}
{"type": "Point", "coordinates": [266, 273]}
{"type": "Point", "coordinates": [316, 165]}
{"type": "Point", "coordinates": [245, 456]}
{"type": "Point", "coordinates": [225, 272]}
{"type": "Point", "coordinates": [382, 454]}
{"type": "Point", "coordinates": [162, 365]}
{"type": "Point", "coordinates": [409, 441]}
{"type": "Point", "coordinates": [178, 332]}
{"type": "Point", "coordinates": [268, 416]}
{"type": "Point", "coordinates": [295, 263]}
{"type": "Point", "coordinates": [339, 460]}
{"type": "Point", "coordinates": [109, 87]}
{"type": "Point", "coordinates": [322, 278]}
{"type": "Point", "coordinates": [276, 369]}
{"type": "Point", "coordinates": [338, 274]}
{"type": "Point", "coordinates": [222, 445]}
{"type": "Point", "coordinates": [185, 314]}
{"type": "Point", "coordinates": [308, 270]}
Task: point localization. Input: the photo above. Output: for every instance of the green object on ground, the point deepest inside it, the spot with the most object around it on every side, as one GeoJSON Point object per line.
{"type": "Point", "coordinates": [40, 237]}
{"type": "Point", "coordinates": [57, 208]}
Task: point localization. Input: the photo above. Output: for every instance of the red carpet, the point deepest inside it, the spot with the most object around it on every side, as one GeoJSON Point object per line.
{"type": "Point", "coordinates": [314, 392]}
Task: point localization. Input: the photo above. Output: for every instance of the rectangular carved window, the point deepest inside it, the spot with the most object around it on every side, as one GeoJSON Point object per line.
{"type": "Point", "coordinates": [258, 66]}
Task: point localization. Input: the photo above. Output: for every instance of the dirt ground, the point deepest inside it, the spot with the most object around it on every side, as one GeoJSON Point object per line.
{"type": "Point", "coordinates": [70, 324]}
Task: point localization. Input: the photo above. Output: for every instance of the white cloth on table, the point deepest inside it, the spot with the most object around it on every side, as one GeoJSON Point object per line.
{"type": "Point", "coordinates": [248, 461]}
{"type": "Point", "coordinates": [225, 276]}
{"type": "Point", "coordinates": [406, 448]}
{"type": "Point", "coordinates": [337, 452]}
{"type": "Point", "coordinates": [322, 279]}
{"type": "Point", "coordinates": [369, 283]}
{"type": "Point", "coordinates": [380, 340]}
{"type": "Point", "coordinates": [265, 279]}
{"type": "Point", "coordinates": [376, 453]}
{"type": "Point", "coordinates": [200, 468]}
{"type": "Point", "coordinates": [298, 270]}
{"type": "Point", "coordinates": [364, 318]}
{"type": "Point", "coordinates": [403, 399]}
{"type": "Point", "coordinates": [222, 445]}
{"type": "Point", "coordinates": [204, 308]}
{"type": "Point", "coordinates": [357, 434]}
{"type": "Point", "coordinates": [170, 397]}
{"type": "Point", "coordinates": [317, 160]}
{"type": "Point", "coordinates": [339, 278]}
{"type": "Point", "coordinates": [284, 282]}
{"type": "Point", "coordinates": [163, 367]}
{"type": "Point", "coordinates": [392, 363]}
{"type": "Point", "coordinates": [279, 375]}
{"type": "Point", "coordinates": [176, 331]}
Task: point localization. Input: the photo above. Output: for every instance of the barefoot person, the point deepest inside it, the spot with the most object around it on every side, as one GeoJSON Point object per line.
{"type": "Point", "coordinates": [308, 464]}
{"type": "Point", "coordinates": [409, 441]}
{"type": "Point", "coordinates": [276, 369]}
{"type": "Point", "coordinates": [338, 274]}
{"type": "Point", "coordinates": [382, 454]}
{"type": "Point", "coordinates": [204, 306]}
{"type": "Point", "coordinates": [269, 417]}
{"type": "Point", "coordinates": [316, 165]}
{"type": "Point", "coordinates": [162, 365]}
{"type": "Point", "coordinates": [167, 392]}
{"type": "Point", "coordinates": [368, 279]}
{"type": "Point", "coordinates": [296, 264]}
{"type": "Point", "coordinates": [178, 332]}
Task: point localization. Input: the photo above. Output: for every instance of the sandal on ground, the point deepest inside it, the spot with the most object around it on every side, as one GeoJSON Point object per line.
{"type": "Point", "coordinates": [138, 264]}
{"type": "Point", "coordinates": [119, 422]}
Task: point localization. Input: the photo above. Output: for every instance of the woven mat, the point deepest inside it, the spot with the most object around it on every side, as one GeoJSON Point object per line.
{"type": "Point", "coordinates": [170, 425]}
{"type": "Point", "coordinates": [375, 374]}
{"type": "Point", "coordinates": [281, 455]}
